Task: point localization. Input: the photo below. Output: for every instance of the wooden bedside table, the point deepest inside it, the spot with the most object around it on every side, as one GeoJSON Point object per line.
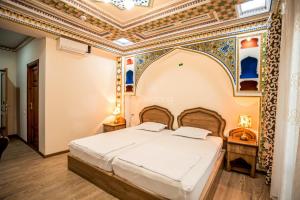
{"type": "Point", "coordinates": [107, 127]}
{"type": "Point", "coordinates": [246, 150]}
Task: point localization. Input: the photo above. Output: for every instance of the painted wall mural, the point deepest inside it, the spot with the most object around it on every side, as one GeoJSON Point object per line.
{"type": "Point", "coordinates": [223, 50]}
{"type": "Point", "coordinates": [244, 58]}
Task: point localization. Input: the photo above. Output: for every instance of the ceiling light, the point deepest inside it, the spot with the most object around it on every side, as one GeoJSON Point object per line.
{"type": "Point", "coordinates": [123, 42]}
{"type": "Point", "coordinates": [254, 4]}
{"type": "Point", "coordinates": [253, 7]}
{"type": "Point", "coordinates": [128, 4]}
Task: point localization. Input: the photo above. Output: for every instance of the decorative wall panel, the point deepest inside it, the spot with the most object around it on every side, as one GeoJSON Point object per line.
{"type": "Point", "coordinates": [269, 96]}
{"type": "Point", "coordinates": [119, 84]}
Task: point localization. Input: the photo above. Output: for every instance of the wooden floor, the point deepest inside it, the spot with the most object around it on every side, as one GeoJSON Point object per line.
{"type": "Point", "coordinates": [25, 175]}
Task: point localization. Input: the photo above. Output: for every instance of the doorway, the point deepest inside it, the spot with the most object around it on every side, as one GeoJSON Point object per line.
{"type": "Point", "coordinates": [3, 103]}
{"type": "Point", "coordinates": [33, 104]}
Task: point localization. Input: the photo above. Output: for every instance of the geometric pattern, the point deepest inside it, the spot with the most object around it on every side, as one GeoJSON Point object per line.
{"type": "Point", "coordinates": [224, 50]}
{"type": "Point", "coordinates": [269, 95]}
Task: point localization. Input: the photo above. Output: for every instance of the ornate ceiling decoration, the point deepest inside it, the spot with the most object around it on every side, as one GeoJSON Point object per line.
{"type": "Point", "coordinates": [183, 21]}
{"type": "Point", "coordinates": [121, 3]}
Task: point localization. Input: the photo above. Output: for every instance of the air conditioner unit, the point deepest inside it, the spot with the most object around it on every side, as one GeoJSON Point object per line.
{"type": "Point", "coordinates": [73, 46]}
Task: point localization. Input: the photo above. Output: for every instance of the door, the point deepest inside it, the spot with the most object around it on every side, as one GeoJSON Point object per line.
{"type": "Point", "coordinates": [3, 103]}
{"type": "Point", "coordinates": [33, 104]}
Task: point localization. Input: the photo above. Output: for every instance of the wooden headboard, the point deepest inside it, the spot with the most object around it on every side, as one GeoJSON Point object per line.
{"type": "Point", "coordinates": [203, 118]}
{"type": "Point", "coordinates": [157, 114]}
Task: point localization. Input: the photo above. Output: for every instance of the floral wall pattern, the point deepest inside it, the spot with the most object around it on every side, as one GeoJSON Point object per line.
{"type": "Point", "coordinates": [223, 50]}
{"type": "Point", "coordinates": [269, 98]}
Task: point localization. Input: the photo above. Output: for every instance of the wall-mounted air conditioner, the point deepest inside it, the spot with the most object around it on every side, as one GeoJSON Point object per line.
{"type": "Point", "coordinates": [73, 46]}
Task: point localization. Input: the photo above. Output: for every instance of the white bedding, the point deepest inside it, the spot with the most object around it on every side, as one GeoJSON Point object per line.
{"type": "Point", "coordinates": [182, 181]}
{"type": "Point", "coordinates": [99, 150]}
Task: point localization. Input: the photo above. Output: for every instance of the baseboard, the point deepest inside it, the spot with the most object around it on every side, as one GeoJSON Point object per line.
{"type": "Point", "coordinates": [55, 154]}
{"type": "Point", "coordinates": [41, 154]}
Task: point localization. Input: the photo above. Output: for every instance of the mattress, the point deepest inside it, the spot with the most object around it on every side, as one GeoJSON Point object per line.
{"type": "Point", "coordinates": [190, 185]}
{"type": "Point", "coordinates": [99, 150]}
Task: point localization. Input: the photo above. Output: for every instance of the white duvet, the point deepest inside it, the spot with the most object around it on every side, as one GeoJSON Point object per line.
{"type": "Point", "coordinates": [161, 160]}
{"type": "Point", "coordinates": [173, 167]}
{"type": "Point", "coordinates": [99, 150]}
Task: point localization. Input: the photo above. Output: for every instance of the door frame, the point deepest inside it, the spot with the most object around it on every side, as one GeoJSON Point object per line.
{"type": "Point", "coordinates": [5, 131]}
{"type": "Point", "coordinates": [31, 65]}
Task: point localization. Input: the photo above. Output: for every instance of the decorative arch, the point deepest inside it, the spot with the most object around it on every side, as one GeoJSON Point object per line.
{"type": "Point", "coordinates": [223, 51]}
{"type": "Point", "coordinates": [149, 62]}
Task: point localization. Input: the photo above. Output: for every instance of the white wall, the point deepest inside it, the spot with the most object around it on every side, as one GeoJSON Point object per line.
{"type": "Point", "coordinates": [200, 82]}
{"type": "Point", "coordinates": [8, 59]}
{"type": "Point", "coordinates": [77, 93]}
{"type": "Point", "coordinates": [80, 94]}
{"type": "Point", "coordinates": [27, 54]}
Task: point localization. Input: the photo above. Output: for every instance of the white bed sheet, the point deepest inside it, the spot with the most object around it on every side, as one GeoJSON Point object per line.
{"type": "Point", "coordinates": [191, 185]}
{"type": "Point", "coordinates": [90, 149]}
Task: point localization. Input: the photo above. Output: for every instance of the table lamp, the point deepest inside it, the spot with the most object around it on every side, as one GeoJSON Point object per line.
{"type": "Point", "coordinates": [244, 122]}
{"type": "Point", "coordinates": [116, 113]}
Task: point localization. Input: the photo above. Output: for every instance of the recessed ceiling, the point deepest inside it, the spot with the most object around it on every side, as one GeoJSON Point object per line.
{"type": "Point", "coordinates": [11, 40]}
{"type": "Point", "coordinates": [103, 23]}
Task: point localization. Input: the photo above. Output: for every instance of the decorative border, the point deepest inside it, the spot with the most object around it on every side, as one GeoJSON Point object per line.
{"type": "Point", "coordinates": [119, 84]}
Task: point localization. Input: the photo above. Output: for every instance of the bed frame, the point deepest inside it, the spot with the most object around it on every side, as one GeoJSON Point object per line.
{"type": "Point", "coordinates": [122, 189]}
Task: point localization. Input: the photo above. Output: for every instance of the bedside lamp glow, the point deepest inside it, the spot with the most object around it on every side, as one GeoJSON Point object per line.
{"type": "Point", "coordinates": [245, 121]}
{"type": "Point", "coordinates": [116, 112]}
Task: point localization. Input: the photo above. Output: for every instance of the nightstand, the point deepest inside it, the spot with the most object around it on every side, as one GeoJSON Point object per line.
{"type": "Point", "coordinates": [107, 127]}
{"type": "Point", "coordinates": [241, 154]}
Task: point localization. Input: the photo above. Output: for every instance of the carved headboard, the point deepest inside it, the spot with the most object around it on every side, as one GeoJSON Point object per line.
{"type": "Point", "coordinates": [203, 118]}
{"type": "Point", "coordinates": [157, 114]}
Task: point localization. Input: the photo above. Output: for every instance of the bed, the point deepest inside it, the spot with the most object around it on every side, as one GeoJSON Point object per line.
{"type": "Point", "coordinates": [100, 150]}
{"type": "Point", "coordinates": [132, 182]}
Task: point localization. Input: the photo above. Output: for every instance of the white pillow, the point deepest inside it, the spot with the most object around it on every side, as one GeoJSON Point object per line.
{"type": "Point", "coordinates": [151, 126]}
{"type": "Point", "coordinates": [192, 132]}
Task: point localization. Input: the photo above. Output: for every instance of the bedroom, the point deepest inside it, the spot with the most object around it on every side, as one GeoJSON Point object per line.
{"type": "Point", "coordinates": [80, 79]}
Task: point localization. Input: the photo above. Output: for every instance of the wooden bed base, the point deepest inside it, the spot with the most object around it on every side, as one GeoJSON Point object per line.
{"type": "Point", "coordinates": [123, 189]}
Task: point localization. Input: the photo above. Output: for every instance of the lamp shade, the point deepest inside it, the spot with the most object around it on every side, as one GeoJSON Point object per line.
{"type": "Point", "coordinates": [116, 111]}
{"type": "Point", "coordinates": [245, 121]}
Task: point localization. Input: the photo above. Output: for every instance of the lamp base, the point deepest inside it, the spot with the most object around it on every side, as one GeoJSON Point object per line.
{"type": "Point", "coordinates": [244, 136]}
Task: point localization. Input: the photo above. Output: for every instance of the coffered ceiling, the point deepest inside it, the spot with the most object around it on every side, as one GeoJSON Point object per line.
{"type": "Point", "coordinates": [157, 24]}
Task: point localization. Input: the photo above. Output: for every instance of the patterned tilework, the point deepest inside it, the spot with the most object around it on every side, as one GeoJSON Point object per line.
{"type": "Point", "coordinates": [223, 50]}
{"type": "Point", "coordinates": [142, 61]}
